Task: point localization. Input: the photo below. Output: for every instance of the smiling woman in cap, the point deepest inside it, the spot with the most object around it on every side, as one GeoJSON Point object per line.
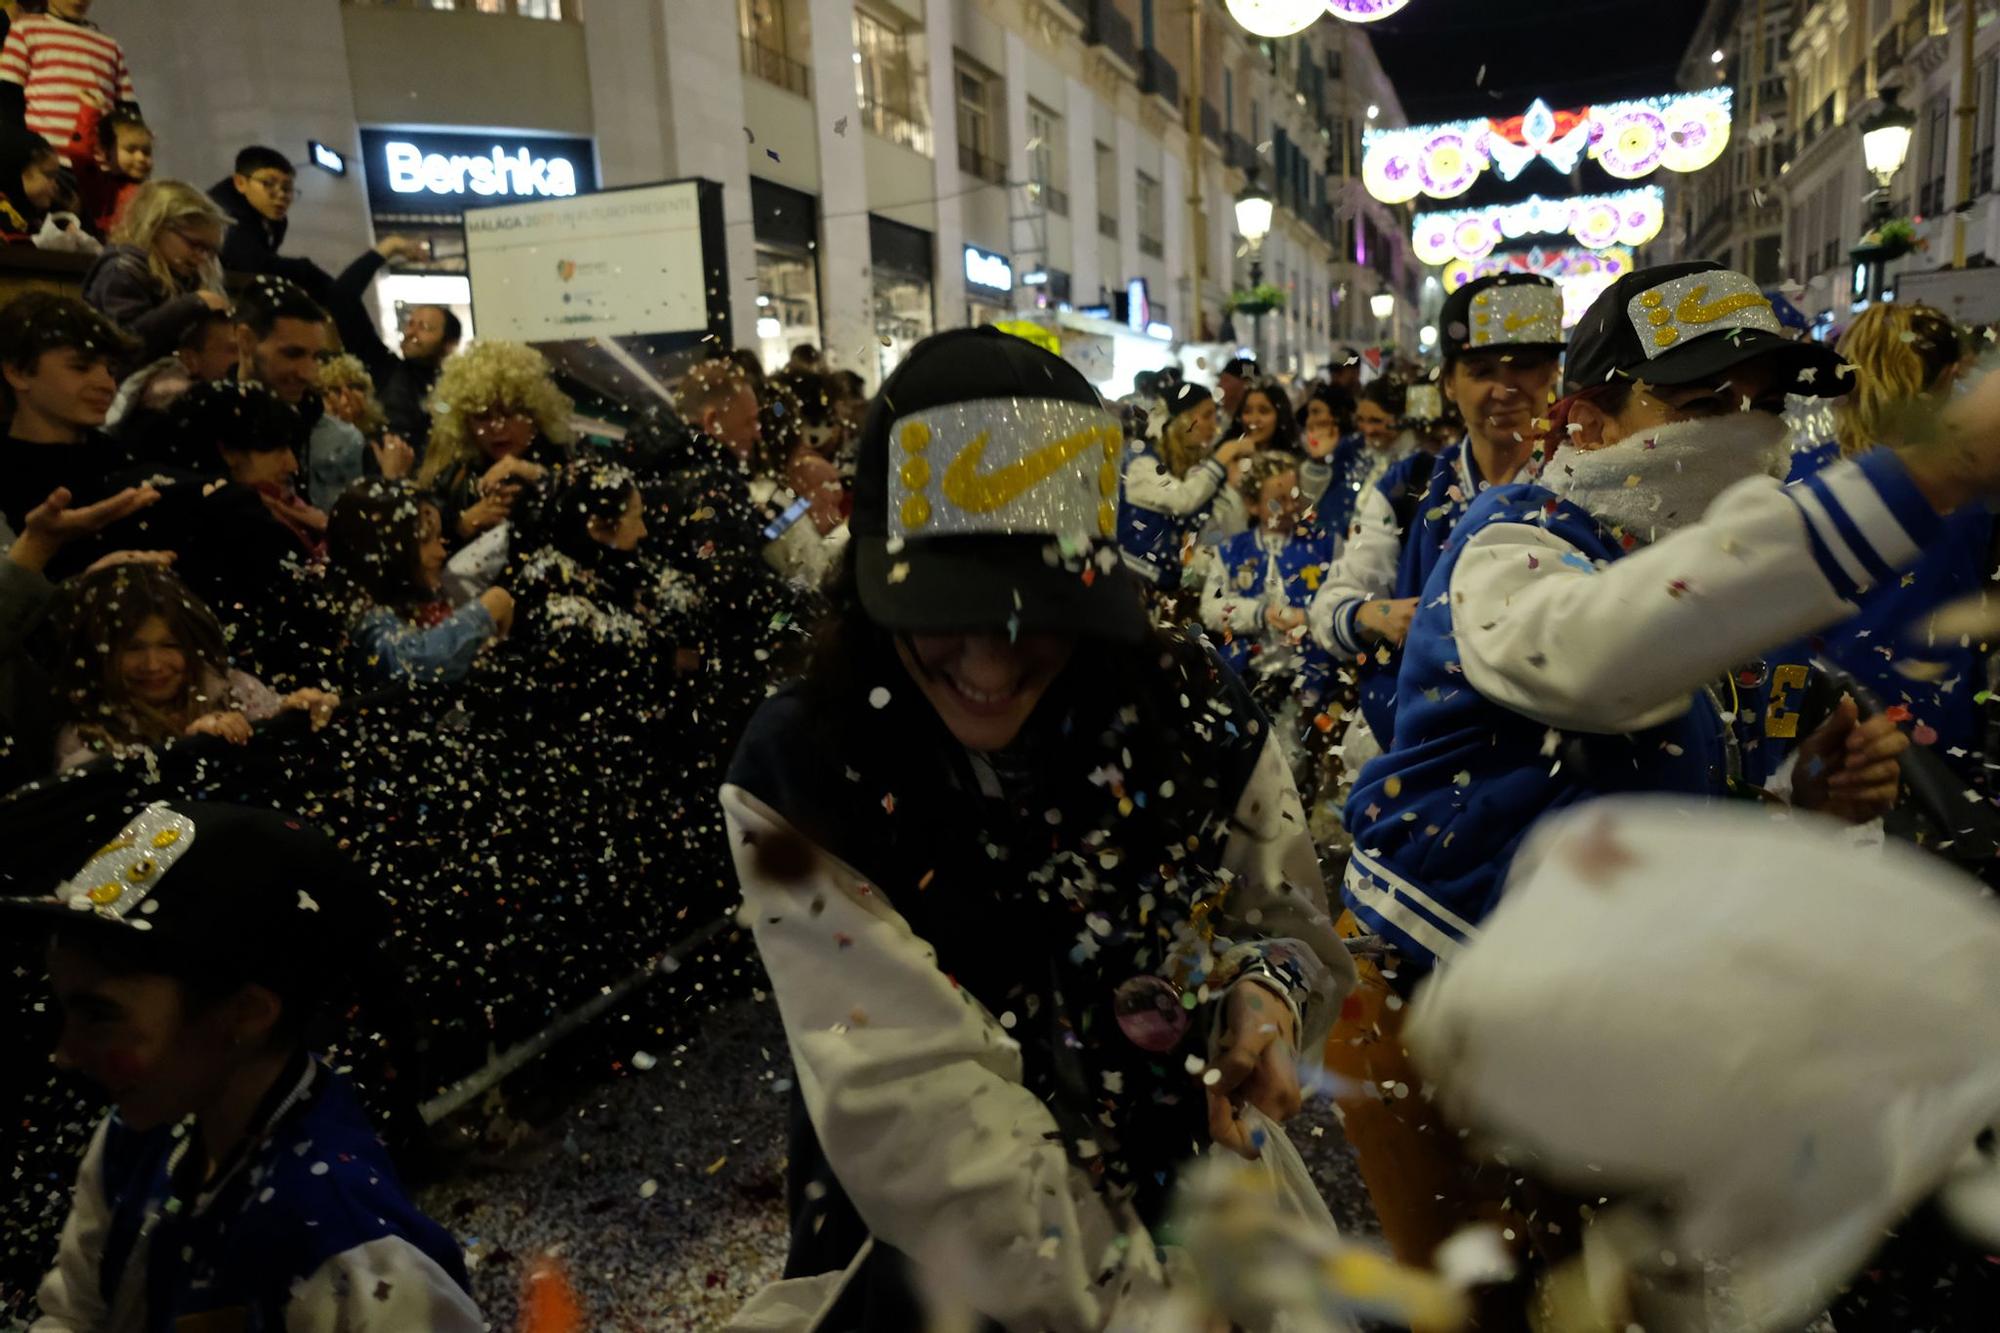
{"type": "Point", "coordinates": [983, 849]}
{"type": "Point", "coordinates": [238, 1183]}
{"type": "Point", "coordinates": [1583, 635]}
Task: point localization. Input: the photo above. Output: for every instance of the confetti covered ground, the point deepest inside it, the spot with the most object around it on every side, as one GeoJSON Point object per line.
{"type": "Point", "coordinates": [662, 1192]}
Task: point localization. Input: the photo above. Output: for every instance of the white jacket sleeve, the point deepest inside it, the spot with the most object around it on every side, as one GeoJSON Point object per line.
{"type": "Point", "coordinates": [1366, 568]}
{"type": "Point", "coordinates": [384, 1286]}
{"type": "Point", "coordinates": [1150, 486]}
{"type": "Point", "coordinates": [1543, 631]}
{"type": "Point", "coordinates": [915, 1092]}
{"type": "Point", "coordinates": [69, 1295]}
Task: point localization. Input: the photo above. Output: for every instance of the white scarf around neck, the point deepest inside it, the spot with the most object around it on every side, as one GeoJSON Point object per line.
{"type": "Point", "coordinates": [1663, 479]}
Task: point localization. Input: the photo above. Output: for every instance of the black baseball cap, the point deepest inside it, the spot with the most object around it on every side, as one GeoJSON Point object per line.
{"type": "Point", "coordinates": [1505, 311]}
{"type": "Point", "coordinates": [1187, 397]}
{"type": "Point", "coordinates": [1242, 367]}
{"type": "Point", "coordinates": [249, 891]}
{"type": "Point", "coordinates": [986, 495]}
{"type": "Point", "coordinates": [1677, 324]}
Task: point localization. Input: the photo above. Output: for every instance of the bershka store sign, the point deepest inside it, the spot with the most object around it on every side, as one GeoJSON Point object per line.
{"type": "Point", "coordinates": [430, 171]}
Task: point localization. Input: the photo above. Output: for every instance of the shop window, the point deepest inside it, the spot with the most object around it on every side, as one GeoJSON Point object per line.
{"type": "Point", "coordinates": [887, 84]}
{"type": "Point", "coordinates": [1045, 157]}
{"type": "Point", "coordinates": [787, 303]}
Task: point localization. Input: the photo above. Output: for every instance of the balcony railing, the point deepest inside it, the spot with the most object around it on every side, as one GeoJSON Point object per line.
{"type": "Point", "coordinates": [775, 67]}
{"type": "Point", "coordinates": [1159, 77]}
{"type": "Point", "coordinates": [1152, 245]}
{"type": "Point", "coordinates": [975, 163]}
{"type": "Point", "coordinates": [1056, 201]}
{"type": "Point", "coordinates": [1112, 31]}
{"type": "Point", "coordinates": [895, 125]}
{"type": "Point", "coordinates": [1237, 151]}
{"type": "Point", "coordinates": [1107, 225]}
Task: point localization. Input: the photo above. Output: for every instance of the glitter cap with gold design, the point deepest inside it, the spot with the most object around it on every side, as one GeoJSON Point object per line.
{"type": "Point", "coordinates": [257, 892]}
{"type": "Point", "coordinates": [1678, 324]}
{"type": "Point", "coordinates": [1502, 311]}
{"type": "Point", "coordinates": [986, 495]}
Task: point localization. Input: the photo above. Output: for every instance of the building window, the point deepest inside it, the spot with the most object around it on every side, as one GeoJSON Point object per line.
{"type": "Point", "coordinates": [1982, 143]}
{"type": "Point", "coordinates": [1152, 217]}
{"type": "Point", "coordinates": [978, 144]}
{"type": "Point", "coordinates": [1937, 134]}
{"type": "Point", "coordinates": [885, 83]}
{"type": "Point", "coordinates": [1107, 191]}
{"type": "Point", "coordinates": [1228, 100]}
{"type": "Point", "coordinates": [1045, 157]}
{"type": "Point", "coordinates": [527, 9]}
{"type": "Point", "coordinates": [761, 27]}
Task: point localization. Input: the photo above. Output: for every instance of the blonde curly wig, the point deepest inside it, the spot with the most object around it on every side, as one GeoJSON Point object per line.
{"type": "Point", "coordinates": [485, 376]}
{"type": "Point", "coordinates": [346, 372]}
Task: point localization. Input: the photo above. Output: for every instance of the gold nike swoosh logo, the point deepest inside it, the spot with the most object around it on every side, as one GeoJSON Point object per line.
{"type": "Point", "coordinates": [1691, 310]}
{"type": "Point", "coordinates": [982, 493]}
{"type": "Point", "coordinates": [1515, 323]}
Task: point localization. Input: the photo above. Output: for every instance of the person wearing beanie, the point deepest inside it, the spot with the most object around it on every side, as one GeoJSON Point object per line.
{"type": "Point", "coordinates": [237, 1182]}
{"type": "Point", "coordinates": [1169, 490]}
{"type": "Point", "coordinates": [1587, 633]}
{"type": "Point", "coordinates": [977, 843]}
{"type": "Point", "coordinates": [1502, 343]}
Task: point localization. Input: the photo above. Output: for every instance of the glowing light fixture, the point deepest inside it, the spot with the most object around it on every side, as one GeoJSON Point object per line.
{"type": "Point", "coordinates": [1276, 18]}
{"type": "Point", "coordinates": [1253, 212]}
{"type": "Point", "coordinates": [1885, 138]}
{"type": "Point", "coordinates": [1373, 111]}
{"type": "Point", "coordinates": [1382, 304]}
{"type": "Point", "coordinates": [1427, 336]}
{"type": "Point", "coordinates": [1364, 11]}
{"type": "Point", "coordinates": [1715, 57]}
{"type": "Point", "coordinates": [1595, 221]}
{"type": "Point", "coordinates": [1683, 132]}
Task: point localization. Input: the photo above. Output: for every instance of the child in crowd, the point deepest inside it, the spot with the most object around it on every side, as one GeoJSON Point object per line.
{"type": "Point", "coordinates": [349, 393]}
{"type": "Point", "coordinates": [386, 550]}
{"type": "Point", "coordinates": [160, 273]}
{"type": "Point", "coordinates": [30, 185]}
{"type": "Point", "coordinates": [56, 356]}
{"type": "Point", "coordinates": [143, 662]}
{"type": "Point", "coordinates": [1255, 601]}
{"type": "Point", "coordinates": [59, 60]}
{"type": "Point", "coordinates": [111, 154]}
{"type": "Point", "coordinates": [237, 1183]}
{"type": "Point", "coordinates": [257, 436]}
{"type": "Point", "coordinates": [204, 353]}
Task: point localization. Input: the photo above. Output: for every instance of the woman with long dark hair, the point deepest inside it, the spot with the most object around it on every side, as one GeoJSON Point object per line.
{"type": "Point", "coordinates": [1029, 876]}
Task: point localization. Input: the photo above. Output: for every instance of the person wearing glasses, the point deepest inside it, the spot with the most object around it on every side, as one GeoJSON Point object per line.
{"type": "Point", "coordinates": [258, 196]}
{"type": "Point", "coordinates": [161, 274]}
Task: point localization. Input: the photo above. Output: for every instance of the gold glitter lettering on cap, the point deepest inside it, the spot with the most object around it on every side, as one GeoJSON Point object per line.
{"type": "Point", "coordinates": [1515, 313]}
{"type": "Point", "coordinates": [1696, 304]}
{"type": "Point", "coordinates": [120, 875]}
{"type": "Point", "coordinates": [1010, 466]}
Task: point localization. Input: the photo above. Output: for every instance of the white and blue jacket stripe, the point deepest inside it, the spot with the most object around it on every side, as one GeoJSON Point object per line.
{"type": "Point", "coordinates": [1549, 664]}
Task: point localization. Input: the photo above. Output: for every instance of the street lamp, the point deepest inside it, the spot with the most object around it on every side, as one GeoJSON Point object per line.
{"type": "Point", "coordinates": [1276, 18]}
{"type": "Point", "coordinates": [1253, 223]}
{"type": "Point", "coordinates": [1885, 142]}
{"type": "Point", "coordinates": [1382, 305]}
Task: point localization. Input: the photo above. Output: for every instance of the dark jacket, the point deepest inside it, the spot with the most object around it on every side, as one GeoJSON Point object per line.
{"type": "Point", "coordinates": [121, 285]}
{"type": "Point", "coordinates": [402, 387]}
{"type": "Point", "coordinates": [251, 244]}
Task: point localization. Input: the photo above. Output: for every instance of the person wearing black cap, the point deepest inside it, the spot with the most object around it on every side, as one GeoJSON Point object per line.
{"type": "Point", "coordinates": [238, 1182]}
{"type": "Point", "coordinates": [1567, 641]}
{"type": "Point", "coordinates": [1502, 340]}
{"type": "Point", "coordinates": [1169, 490]}
{"type": "Point", "coordinates": [976, 845]}
{"type": "Point", "coordinates": [1238, 374]}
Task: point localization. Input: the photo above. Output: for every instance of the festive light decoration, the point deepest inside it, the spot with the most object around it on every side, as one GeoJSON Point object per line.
{"type": "Point", "coordinates": [1684, 132]}
{"type": "Point", "coordinates": [1580, 274]}
{"type": "Point", "coordinates": [1364, 11]}
{"type": "Point", "coordinates": [1595, 221]}
{"type": "Point", "coordinates": [1276, 18]}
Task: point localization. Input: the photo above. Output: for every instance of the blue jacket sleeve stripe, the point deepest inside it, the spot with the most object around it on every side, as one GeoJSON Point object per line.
{"type": "Point", "coordinates": [1391, 904]}
{"type": "Point", "coordinates": [1835, 561]}
{"type": "Point", "coordinates": [1851, 536]}
{"type": "Point", "coordinates": [1899, 522]}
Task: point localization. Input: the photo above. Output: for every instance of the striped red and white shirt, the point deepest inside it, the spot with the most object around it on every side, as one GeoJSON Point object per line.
{"type": "Point", "coordinates": [57, 62]}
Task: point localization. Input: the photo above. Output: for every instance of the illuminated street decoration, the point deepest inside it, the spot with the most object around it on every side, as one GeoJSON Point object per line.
{"type": "Point", "coordinates": [1276, 18]}
{"type": "Point", "coordinates": [1364, 11]}
{"type": "Point", "coordinates": [1594, 221]}
{"type": "Point", "coordinates": [1683, 132]}
{"type": "Point", "coordinates": [1581, 274]}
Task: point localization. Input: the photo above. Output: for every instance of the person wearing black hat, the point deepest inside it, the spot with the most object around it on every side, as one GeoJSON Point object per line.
{"type": "Point", "coordinates": [1581, 634]}
{"type": "Point", "coordinates": [1238, 374]}
{"type": "Point", "coordinates": [976, 844]}
{"type": "Point", "coordinates": [1502, 341]}
{"type": "Point", "coordinates": [1168, 490]}
{"type": "Point", "coordinates": [238, 1181]}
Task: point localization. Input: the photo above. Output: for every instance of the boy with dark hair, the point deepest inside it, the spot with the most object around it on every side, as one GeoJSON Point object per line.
{"type": "Point", "coordinates": [238, 1182]}
{"type": "Point", "coordinates": [258, 195]}
{"type": "Point", "coordinates": [30, 184]}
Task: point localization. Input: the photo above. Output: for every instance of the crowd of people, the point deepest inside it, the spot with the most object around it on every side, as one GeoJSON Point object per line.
{"type": "Point", "coordinates": [1093, 781]}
